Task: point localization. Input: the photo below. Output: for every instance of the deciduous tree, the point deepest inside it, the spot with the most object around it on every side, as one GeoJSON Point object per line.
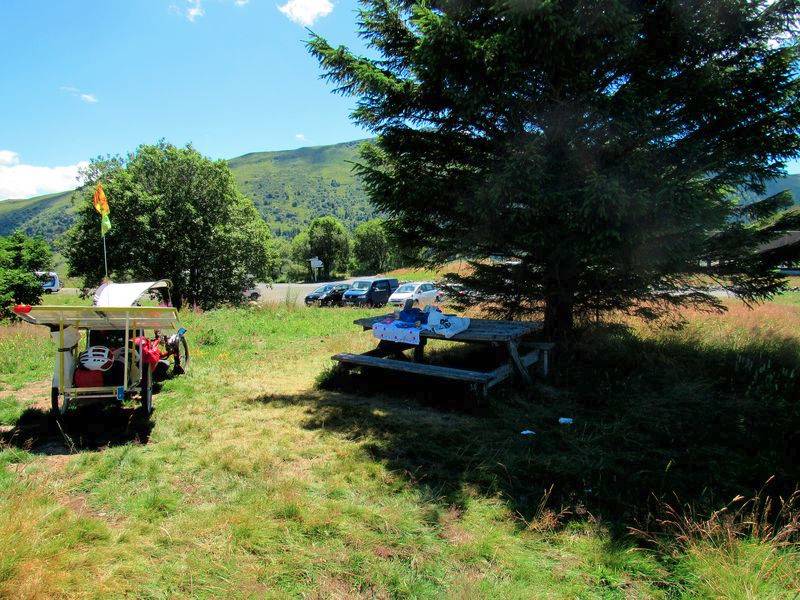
{"type": "Point", "coordinates": [175, 214]}
{"type": "Point", "coordinates": [371, 247]}
{"type": "Point", "coordinates": [328, 240]}
{"type": "Point", "coordinates": [20, 257]}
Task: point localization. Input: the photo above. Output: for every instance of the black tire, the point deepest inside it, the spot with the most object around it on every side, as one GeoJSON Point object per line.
{"type": "Point", "coordinates": [56, 409]}
{"type": "Point", "coordinates": [146, 391]}
{"type": "Point", "coordinates": [180, 362]}
{"type": "Point", "coordinates": [255, 296]}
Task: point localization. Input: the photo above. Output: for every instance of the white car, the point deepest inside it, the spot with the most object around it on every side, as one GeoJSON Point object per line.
{"type": "Point", "coordinates": [421, 292]}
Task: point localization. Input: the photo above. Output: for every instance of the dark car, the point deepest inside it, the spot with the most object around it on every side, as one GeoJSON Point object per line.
{"type": "Point", "coordinates": [329, 294]}
{"type": "Point", "coordinates": [369, 292]}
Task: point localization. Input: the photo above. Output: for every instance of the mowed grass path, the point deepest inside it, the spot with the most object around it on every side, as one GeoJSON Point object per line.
{"type": "Point", "coordinates": [251, 481]}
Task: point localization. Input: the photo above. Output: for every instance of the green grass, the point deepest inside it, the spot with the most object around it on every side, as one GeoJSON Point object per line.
{"type": "Point", "coordinates": [250, 481]}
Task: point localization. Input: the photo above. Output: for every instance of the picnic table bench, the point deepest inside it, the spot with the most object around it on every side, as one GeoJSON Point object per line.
{"type": "Point", "coordinates": [501, 334]}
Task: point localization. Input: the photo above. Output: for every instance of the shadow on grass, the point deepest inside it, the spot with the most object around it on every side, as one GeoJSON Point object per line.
{"type": "Point", "coordinates": [89, 427]}
{"type": "Point", "coordinates": [652, 419]}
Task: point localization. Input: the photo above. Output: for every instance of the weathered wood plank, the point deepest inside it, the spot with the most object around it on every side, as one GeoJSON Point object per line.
{"type": "Point", "coordinates": [519, 366]}
{"type": "Point", "coordinates": [415, 368]}
{"type": "Point", "coordinates": [505, 371]}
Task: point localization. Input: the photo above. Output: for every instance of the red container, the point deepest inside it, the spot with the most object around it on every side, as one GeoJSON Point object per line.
{"type": "Point", "coordinates": [86, 378]}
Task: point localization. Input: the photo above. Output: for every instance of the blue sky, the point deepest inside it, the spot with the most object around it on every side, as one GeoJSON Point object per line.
{"type": "Point", "coordinates": [81, 78]}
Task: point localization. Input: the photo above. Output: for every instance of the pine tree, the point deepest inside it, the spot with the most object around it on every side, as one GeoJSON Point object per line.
{"type": "Point", "coordinates": [594, 149]}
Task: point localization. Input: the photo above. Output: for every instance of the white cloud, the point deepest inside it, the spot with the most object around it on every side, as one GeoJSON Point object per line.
{"type": "Point", "coordinates": [8, 158]}
{"type": "Point", "coordinates": [23, 181]}
{"type": "Point", "coordinates": [84, 96]}
{"type": "Point", "coordinates": [301, 137]}
{"type": "Point", "coordinates": [305, 12]}
{"type": "Point", "coordinates": [195, 10]}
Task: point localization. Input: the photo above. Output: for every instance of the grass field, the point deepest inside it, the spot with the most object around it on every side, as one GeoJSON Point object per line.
{"type": "Point", "coordinates": [261, 474]}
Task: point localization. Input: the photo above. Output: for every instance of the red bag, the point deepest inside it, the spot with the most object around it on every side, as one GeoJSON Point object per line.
{"type": "Point", "coordinates": [86, 378]}
{"type": "Point", "coordinates": [149, 350]}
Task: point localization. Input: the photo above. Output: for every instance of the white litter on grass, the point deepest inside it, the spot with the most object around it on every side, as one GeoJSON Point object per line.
{"type": "Point", "coordinates": [527, 432]}
{"type": "Point", "coordinates": [565, 420]}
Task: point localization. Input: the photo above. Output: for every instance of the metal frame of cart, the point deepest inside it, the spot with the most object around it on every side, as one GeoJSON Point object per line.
{"type": "Point", "coordinates": [101, 318]}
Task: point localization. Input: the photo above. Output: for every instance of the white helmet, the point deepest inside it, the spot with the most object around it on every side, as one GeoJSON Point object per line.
{"type": "Point", "coordinates": [97, 358]}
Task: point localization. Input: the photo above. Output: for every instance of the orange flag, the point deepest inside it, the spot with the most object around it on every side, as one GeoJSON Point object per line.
{"type": "Point", "coordinates": [101, 206]}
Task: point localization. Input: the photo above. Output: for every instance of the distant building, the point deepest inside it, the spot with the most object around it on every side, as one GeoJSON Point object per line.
{"type": "Point", "coordinates": [786, 246]}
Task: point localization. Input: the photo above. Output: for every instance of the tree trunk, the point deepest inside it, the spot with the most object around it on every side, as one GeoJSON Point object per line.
{"type": "Point", "coordinates": [177, 299]}
{"type": "Point", "coordinates": [558, 315]}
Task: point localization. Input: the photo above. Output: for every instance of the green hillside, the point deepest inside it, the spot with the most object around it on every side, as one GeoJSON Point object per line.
{"type": "Point", "coordinates": [292, 187]}
{"type": "Point", "coordinates": [48, 215]}
{"type": "Point", "coordinates": [289, 187]}
{"type": "Point", "coordinates": [790, 182]}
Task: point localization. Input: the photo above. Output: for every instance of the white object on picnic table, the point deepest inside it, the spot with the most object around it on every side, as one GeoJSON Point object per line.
{"type": "Point", "coordinates": [392, 333]}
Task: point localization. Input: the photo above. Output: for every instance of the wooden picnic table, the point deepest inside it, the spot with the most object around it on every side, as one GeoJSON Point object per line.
{"type": "Point", "coordinates": [506, 334]}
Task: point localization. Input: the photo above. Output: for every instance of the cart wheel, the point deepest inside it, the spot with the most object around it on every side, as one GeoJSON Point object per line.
{"type": "Point", "coordinates": [146, 385]}
{"type": "Point", "coordinates": [181, 360]}
{"type": "Point", "coordinates": [58, 405]}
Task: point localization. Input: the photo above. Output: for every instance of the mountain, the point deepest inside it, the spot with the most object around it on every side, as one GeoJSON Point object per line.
{"type": "Point", "coordinates": [790, 182]}
{"type": "Point", "coordinates": [292, 187]}
{"type": "Point", "coordinates": [49, 215]}
{"type": "Point", "coordinates": [289, 188]}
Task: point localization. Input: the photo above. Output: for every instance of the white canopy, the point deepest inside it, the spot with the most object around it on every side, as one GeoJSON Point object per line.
{"type": "Point", "coordinates": [126, 294]}
{"type": "Point", "coordinates": [100, 318]}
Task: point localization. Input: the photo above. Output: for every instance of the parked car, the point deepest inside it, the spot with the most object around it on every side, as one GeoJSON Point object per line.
{"type": "Point", "coordinates": [421, 293]}
{"type": "Point", "coordinates": [50, 281]}
{"type": "Point", "coordinates": [454, 292]}
{"type": "Point", "coordinates": [252, 294]}
{"type": "Point", "coordinates": [369, 292]}
{"type": "Point", "coordinates": [329, 294]}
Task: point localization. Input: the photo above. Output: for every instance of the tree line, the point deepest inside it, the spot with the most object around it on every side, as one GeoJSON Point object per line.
{"type": "Point", "coordinates": [180, 215]}
{"type": "Point", "coordinates": [176, 214]}
{"type": "Point", "coordinates": [369, 250]}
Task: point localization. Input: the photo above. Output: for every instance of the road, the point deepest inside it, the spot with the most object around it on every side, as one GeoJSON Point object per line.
{"type": "Point", "coordinates": [291, 293]}
{"type": "Point", "coordinates": [277, 293]}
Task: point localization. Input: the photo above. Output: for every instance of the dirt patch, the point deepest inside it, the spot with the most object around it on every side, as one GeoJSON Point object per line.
{"type": "Point", "coordinates": [452, 530]}
{"type": "Point", "coordinates": [383, 552]}
{"type": "Point", "coordinates": [36, 394]}
{"type": "Point", "coordinates": [334, 588]}
{"type": "Point", "coordinates": [77, 502]}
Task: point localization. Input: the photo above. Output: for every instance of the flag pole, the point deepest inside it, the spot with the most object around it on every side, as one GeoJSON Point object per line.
{"type": "Point", "coordinates": [100, 203]}
{"type": "Point", "coordinates": [105, 258]}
